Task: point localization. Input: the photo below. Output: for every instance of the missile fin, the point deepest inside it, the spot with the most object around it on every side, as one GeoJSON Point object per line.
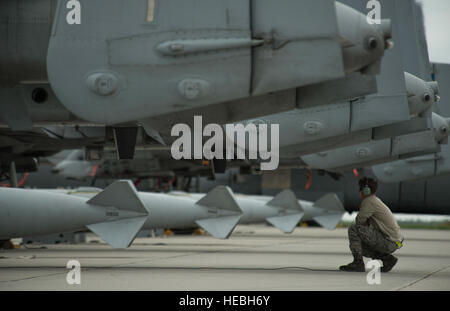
{"type": "Point", "coordinates": [220, 227]}
{"type": "Point", "coordinates": [330, 202]}
{"type": "Point", "coordinates": [329, 221]}
{"type": "Point", "coordinates": [122, 195]}
{"type": "Point", "coordinates": [120, 233]}
{"type": "Point", "coordinates": [286, 199]}
{"type": "Point", "coordinates": [222, 198]}
{"type": "Point", "coordinates": [285, 223]}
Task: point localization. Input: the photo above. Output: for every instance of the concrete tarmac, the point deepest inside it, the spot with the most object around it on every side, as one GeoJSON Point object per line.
{"type": "Point", "coordinates": [254, 258]}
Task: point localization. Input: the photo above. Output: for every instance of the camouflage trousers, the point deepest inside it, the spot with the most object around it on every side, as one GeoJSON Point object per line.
{"type": "Point", "coordinates": [369, 242]}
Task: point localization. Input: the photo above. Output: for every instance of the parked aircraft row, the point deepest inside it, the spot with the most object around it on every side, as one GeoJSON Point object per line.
{"type": "Point", "coordinates": [317, 68]}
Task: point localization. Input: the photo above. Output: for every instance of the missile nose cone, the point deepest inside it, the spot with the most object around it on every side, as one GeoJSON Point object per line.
{"type": "Point", "coordinates": [386, 28]}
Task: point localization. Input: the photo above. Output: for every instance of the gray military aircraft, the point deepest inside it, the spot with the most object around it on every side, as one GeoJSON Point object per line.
{"type": "Point", "coordinates": [105, 67]}
{"type": "Point", "coordinates": [415, 60]}
{"type": "Point", "coordinates": [359, 133]}
{"type": "Point", "coordinates": [398, 110]}
{"type": "Point", "coordinates": [298, 141]}
{"type": "Point", "coordinates": [146, 164]}
{"type": "Point", "coordinates": [413, 185]}
{"type": "Point", "coordinates": [22, 149]}
{"type": "Point", "coordinates": [422, 171]}
{"type": "Point", "coordinates": [427, 166]}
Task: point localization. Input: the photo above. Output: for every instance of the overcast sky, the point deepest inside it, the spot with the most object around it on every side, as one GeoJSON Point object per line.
{"type": "Point", "coordinates": [437, 24]}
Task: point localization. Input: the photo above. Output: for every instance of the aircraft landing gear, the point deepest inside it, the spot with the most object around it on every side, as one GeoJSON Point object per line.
{"type": "Point", "coordinates": [13, 175]}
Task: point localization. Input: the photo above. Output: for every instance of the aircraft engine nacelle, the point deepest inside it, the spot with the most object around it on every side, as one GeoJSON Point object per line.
{"type": "Point", "coordinates": [363, 44]}
{"type": "Point", "coordinates": [421, 95]}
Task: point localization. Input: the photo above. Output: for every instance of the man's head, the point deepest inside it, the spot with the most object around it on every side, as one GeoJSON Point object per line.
{"type": "Point", "coordinates": [367, 187]}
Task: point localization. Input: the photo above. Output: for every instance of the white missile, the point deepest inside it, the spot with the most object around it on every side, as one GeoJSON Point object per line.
{"type": "Point", "coordinates": [216, 212]}
{"type": "Point", "coordinates": [119, 212]}
{"type": "Point", "coordinates": [116, 214]}
{"type": "Point", "coordinates": [284, 211]}
{"type": "Point", "coordinates": [219, 211]}
{"type": "Point", "coordinates": [326, 211]}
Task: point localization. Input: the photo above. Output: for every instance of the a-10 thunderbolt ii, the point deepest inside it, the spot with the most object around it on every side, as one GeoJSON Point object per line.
{"type": "Point", "coordinates": [395, 122]}
{"type": "Point", "coordinates": [427, 166]}
{"type": "Point", "coordinates": [397, 112]}
{"type": "Point", "coordinates": [26, 148]}
{"type": "Point", "coordinates": [123, 63]}
{"type": "Point", "coordinates": [405, 146]}
{"type": "Point", "coordinates": [146, 164]}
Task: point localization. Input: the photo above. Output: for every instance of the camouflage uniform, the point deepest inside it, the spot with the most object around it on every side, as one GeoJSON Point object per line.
{"type": "Point", "coordinates": [369, 242]}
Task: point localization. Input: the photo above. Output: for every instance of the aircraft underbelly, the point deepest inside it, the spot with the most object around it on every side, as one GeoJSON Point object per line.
{"type": "Point", "coordinates": [125, 62]}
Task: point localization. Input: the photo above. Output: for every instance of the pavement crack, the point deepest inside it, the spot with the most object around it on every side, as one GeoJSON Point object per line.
{"type": "Point", "coordinates": [421, 278]}
{"type": "Point", "coordinates": [32, 277]}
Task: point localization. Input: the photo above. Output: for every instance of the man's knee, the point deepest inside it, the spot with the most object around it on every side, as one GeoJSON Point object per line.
{"type": "Point", "coordinates": [355, 229]}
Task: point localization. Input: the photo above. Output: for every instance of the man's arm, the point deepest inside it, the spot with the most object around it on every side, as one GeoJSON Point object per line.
{"type": "Point", "coordinates": [365, 212]}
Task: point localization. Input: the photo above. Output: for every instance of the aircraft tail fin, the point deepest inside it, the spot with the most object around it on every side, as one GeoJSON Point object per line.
{"type": "Point", "coordinates": [333, 208]}
{"type": "Point", "coordinates": [225, 212]}
{"type": "Point", "coordinates": [121, 195]}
